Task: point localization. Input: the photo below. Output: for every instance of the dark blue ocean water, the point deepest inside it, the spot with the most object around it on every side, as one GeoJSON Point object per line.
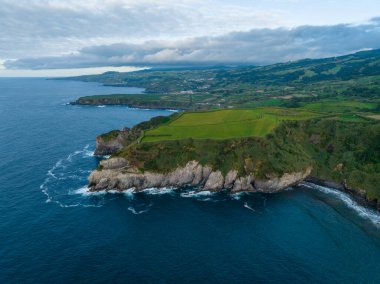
{"type": "Point", "coordinates": [51, 231]}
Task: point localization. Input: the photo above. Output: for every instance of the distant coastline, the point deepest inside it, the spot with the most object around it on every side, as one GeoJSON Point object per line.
{"type": "Point", "coordinates": [132, 106]}
{"type": "Point", "coordinates": [131, 101]}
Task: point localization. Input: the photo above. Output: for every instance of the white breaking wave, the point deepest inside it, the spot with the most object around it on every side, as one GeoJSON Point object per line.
{"type": "Point", "coordinates": [196, 194]}
{"type": "Point", "coordinates": [248, 207]}
{"type": "Point", "coordinates": [134, 211]}
{"type": "Point", "coordinates": [70, 157]}
{"type": "Point", "coordinates": [137, 108]}
{"type": "Point", "coordinates": [362, 211]}
{"type": "Point", "coordinates": [85, 191]}
{"type": "Point", "coordinates": [88, 153]}
{"type": "Point", "coordinates": [159, 191]}
{"type": "Point", "coordinates": [50, 175]}
{"type": "Point", "coordinates": [238, 195]}
{"type": "Point", "coordinates": [207, 199]}
{"type": "Point", "coordinates": [137, 211]}
{"type": "Point", "coordinates": [82, 191]}
{"type": "Point", "coordinates": [130, 193]}
{"type": "Point", "coordinates": [53, 176]}
{"type": "Point", "coordinates": [50, 172]}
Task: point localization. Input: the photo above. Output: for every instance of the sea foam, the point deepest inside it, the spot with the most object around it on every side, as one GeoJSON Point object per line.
{"type": "Point", "coordinates": [159, 191]}
{"type": "Point", "coordinates": [362, 211]}
{"type": "Point", "coordinates": [196, 194]}
{"type": "Point", "coordinates": [144, 209]}
{"type": "Point", "coordinates": [62, 171]}
{"type": "Point", "coordinates": [248, 207]}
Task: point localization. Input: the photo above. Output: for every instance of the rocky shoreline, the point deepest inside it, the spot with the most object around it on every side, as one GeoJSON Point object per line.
{"type": "Point", "coordinates": [116, 174]}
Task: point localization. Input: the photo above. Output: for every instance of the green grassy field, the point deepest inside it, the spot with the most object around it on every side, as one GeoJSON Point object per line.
{"type": "Point", "coordinates": [224, 124]}
{"type": "Point", "coordinates": [340, 106]}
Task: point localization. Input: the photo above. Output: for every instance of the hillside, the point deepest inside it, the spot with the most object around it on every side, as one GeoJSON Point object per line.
{"type": "Point", "coordinates": [350, 77]}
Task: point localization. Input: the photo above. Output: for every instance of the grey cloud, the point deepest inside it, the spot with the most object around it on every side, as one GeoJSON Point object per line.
{"type": "Point", "coordinates": [53, 27]}
{"type": "Point", "coordinates": [37, 27]}
{"type": "Point", "coordinates": [258, 46]}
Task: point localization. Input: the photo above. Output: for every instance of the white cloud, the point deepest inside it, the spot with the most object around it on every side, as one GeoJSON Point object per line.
{"type": "Point", "coordinates": [48, 27]}
{"type": "Point", "coordinates": [42, 34]}
{"type": "Point", "coordinates": [258, 46]}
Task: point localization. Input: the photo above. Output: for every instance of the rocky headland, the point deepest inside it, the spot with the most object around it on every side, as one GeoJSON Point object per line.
{"type": "Point", "coordinates": [117, 174]}
{"type": "Point", "coordinates": [295, 152]}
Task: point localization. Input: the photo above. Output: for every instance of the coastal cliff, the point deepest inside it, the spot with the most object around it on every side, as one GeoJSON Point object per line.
{"type": "Point", "coordinates": [115, 140]}
{"type": "Point", "coordinates": [111, 142]}
{"type": "Point", "coordinates": [117, 174]}
{"type": "Point", "coordinates": [345, 153]}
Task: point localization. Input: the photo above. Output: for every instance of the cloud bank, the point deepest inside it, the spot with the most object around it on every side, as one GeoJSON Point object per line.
{"type": "Point", "coordinates": [258, 46]}
{"type": "Point", "coordinates": [56, 34]}
{"type": "Point", "coordinates": [52, 27]}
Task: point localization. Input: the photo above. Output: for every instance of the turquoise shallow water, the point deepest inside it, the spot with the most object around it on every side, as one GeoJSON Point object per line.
{"type": "Point", "coordinates": [51, 231]}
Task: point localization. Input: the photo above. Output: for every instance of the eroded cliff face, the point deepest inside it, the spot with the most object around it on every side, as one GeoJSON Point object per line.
{"type": "Point", "coordinates": [116, 174]}
{"type": "Point", "coordinates": [107, 146]}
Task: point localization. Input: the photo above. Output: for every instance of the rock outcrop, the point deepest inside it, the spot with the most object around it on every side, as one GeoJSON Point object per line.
{"type": "Point", "coordinates": [116, 174]}
{"type": "Point", "coordinates": [215, 181]}
{"type": "Point", "coordinates": [243, 184]}
{"type": "Point", "coordinates": [108, 144]}
{"type": "Point", "coordinates": [114, 163]}
{"type": "Point", "coordinates": [276, 183]}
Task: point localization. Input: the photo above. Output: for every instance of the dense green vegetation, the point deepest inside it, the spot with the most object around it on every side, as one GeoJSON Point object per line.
{"type": "Point", "coordinates": [342, 151]}
{"type": "Point", "coordinates": [136, 132]}
{"type": "Point", "coordinates": [341, 106]}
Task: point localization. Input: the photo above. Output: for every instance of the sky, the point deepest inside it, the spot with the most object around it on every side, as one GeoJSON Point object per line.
{"type": "Point", "coordinates": [66, 38]}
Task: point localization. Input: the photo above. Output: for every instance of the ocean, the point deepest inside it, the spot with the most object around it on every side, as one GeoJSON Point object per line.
{"type": "Point", "coordinates": [53, 231]}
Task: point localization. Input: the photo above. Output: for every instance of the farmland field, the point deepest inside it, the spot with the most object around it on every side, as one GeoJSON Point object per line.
{"type": "Point", "coordinates": [224, 124]}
